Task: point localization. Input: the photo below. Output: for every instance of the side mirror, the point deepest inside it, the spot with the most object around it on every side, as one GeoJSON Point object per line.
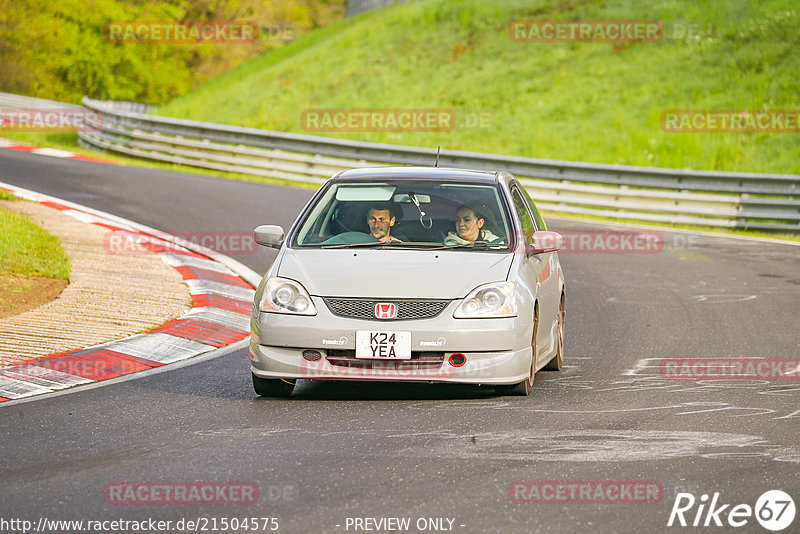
{"type": "Point", "coordinates": [269, 235]}
{"type": "Point", "coordinates": [545, 241]}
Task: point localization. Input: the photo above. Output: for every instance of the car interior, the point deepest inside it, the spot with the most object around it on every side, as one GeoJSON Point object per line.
{"type": "Point", "coordinates": [428, 220]}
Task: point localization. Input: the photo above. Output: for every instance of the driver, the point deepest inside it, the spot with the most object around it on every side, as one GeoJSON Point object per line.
{"type": "Point", "coordinates": [380, 221]}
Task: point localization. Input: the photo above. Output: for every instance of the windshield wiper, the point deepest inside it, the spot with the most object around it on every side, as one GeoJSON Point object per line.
{"type": "Point", "coordinates": [414, 244]}
{"type": "Point", "coordinates": [474, 244]}
{"type": "Point", "coordinates": [399, 244]}
{"type": "Point", "coordinates": [355, 245]}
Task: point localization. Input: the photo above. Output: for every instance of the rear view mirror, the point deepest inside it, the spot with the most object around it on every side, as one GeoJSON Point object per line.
{"type": "Point", "coordinates": [404, 198]}
{"type": "Point", "coordinates": [269, 235]}
{"type": "Point", "coordinates": [545, 241]}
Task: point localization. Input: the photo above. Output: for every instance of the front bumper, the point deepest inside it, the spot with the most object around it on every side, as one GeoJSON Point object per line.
{"type": "Point", "coordinates": [497, 351]}
{"type": "Point", "coordinates": [481, 367]}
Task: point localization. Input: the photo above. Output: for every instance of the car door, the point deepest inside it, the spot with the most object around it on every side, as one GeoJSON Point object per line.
{"type": "Point", "coordinates": [539, 269]}
{"type": "Point", "coordinates": [553, 285]}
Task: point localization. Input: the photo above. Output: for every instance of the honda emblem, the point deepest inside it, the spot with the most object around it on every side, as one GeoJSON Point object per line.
{"type": "Point", "coordinates": [385, 310]}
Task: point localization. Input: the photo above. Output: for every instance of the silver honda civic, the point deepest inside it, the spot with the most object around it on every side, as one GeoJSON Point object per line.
{"type": "Point", "coordinates": [411, 274]}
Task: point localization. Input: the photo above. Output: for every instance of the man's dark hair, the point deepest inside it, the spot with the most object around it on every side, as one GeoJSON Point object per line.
{"type": "Point", "coordinates": [381, 206]}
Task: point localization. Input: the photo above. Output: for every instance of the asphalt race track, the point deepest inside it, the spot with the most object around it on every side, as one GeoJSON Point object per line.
{"type": "Point", "coordinates": [337, 452]}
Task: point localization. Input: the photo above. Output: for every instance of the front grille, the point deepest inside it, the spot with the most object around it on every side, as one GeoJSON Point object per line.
{"type": "Point", "coordinates": [365, 308]}
{"type": "Point", "coordinates": [419, 360]}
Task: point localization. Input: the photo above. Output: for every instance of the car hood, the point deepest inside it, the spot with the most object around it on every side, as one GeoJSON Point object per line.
{"type": "Point", "coordinates": [428, 274]}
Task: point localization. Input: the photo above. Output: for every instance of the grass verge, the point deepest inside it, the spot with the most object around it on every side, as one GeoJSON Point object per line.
{"type": "Point", "coordinates": [27, 249]}
{"type": "Point", "coordinates": [34, 268]}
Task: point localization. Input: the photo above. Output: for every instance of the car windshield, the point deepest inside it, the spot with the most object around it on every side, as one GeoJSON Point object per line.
{"type": "Point", "coordinates": [406, 214]}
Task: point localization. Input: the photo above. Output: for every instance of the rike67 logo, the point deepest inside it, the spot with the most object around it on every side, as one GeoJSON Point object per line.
{"type": "Point", "coordinates": [774, 510]}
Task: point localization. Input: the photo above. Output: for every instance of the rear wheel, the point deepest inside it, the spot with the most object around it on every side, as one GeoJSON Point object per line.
{"type": "Point", "coordinates": [558, 361]}
{"type": "Point", "coordinates": [524, 388]}
{"type": "Point", "coordinates": [273, 387]}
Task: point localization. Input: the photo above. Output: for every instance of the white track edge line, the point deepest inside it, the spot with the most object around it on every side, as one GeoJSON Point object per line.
{"type": "Point", "coordinates": [242, 270]}
{"type": "Point", "coordinates": [202, 357]}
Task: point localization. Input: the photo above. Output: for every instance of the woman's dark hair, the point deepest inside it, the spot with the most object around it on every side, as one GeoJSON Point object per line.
{"type": "Point", "coordinates": [478, 213]}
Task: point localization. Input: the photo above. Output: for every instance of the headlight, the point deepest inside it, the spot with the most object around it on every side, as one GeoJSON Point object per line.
{"type": "Point", "coordinates": [489, 300]}
{"type": "Point", "coordinates": [285, 296]}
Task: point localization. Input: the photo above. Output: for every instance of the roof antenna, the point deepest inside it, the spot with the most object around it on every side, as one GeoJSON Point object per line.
{"type": "Point", "coordinates": [436, 164]}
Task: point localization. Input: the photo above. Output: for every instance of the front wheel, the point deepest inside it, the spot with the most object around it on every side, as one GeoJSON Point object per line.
{"type": "Point", "coordinates": [273, 387]}
{"type": "Point", "coordinates": [521, 389]}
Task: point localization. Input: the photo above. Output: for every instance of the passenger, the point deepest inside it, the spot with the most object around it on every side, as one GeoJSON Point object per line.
{"type": "Point", "coordinates": [380, 221]}
{"type": "Point", "coordinates": [469, 228]}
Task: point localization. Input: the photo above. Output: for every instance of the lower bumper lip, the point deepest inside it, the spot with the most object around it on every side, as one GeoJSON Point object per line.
{"type": "Point", "coordinates": [506, 367]}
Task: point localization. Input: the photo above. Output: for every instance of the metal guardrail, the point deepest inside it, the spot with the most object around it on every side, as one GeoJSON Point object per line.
{"type": "Point", "coordinates": [722, 199]}
{"type": "Point", "coordinates": [10, 100]}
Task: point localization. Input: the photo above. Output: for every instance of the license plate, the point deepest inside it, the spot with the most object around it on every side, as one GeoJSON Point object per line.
{"type": "Point", "coordinates": [383, 345]}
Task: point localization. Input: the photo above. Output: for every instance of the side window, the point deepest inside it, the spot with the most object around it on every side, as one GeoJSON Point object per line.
{"type": "Point", "coordinates": [524, 217]}
{"type": "Point", "coordinates": [536, 215]}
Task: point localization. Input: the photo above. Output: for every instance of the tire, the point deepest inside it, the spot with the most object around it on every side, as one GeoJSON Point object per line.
{"type": "Point", "coordinates": [273, 387]}
{"type": "Point", "coordinates": [558, 360]}
{"type": "Point", "coordinates": [521, 389]}
{"type": "Point", "coordinates": [524, 388]}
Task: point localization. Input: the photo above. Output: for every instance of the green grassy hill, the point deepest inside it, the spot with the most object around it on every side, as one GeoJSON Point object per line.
{"type": "Point", "coordinates": [597, 102]}
{"type": "Point", "coordinates": [61, 49]}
